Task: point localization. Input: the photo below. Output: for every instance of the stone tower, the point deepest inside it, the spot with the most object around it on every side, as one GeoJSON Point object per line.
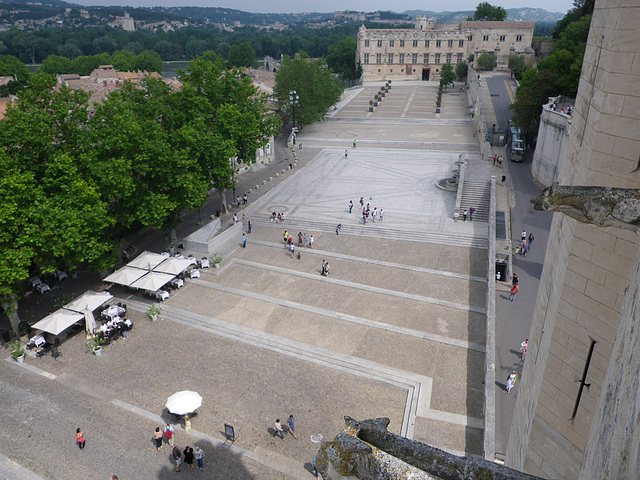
{"type": "Point", "coordinates": [587, 309]}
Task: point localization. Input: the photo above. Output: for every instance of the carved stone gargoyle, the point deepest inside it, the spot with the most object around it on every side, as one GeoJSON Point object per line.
{"type": "Point", "coordinates": [601, 206]}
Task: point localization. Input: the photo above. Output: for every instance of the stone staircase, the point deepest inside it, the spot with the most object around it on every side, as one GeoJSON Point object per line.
{"type": "Point", "coordinates": [379, 231]}
{"type": "Point", "coordinates": [478, 196]}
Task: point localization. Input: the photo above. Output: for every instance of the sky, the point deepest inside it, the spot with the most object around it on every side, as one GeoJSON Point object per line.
{"type": "Point", "coordinates": [295, 6]}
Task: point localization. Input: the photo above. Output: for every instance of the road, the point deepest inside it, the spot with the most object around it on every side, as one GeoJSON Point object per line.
{"type": "Point", "coordinates": [513, 320]}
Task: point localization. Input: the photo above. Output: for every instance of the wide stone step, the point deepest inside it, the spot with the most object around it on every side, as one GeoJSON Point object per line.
{"type": "Point", "coordinates": [379, 231]}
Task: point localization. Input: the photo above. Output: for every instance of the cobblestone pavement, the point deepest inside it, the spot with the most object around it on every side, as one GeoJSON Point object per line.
{"type": "Point", "coordinates": [395, 330]}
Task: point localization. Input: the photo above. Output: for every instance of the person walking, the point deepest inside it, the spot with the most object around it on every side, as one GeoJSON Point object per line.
{"type": "Point", "coordinates": [299, 239]}
{"type": "Point", "coordinates": [381, 214]}
{"type": "Point", "coordinates": [524, 235]}
{"type": "Point", "coordinates": [514, 290]}
{"type": "Point", "coordinates": [523, 248]}
{"type": "Point", "coordinates": [292, 249]}
{"type": "Point", "coordinates": [373, 214]}
{"type": "Point", "coordinates": [244, 241]}
{"type": "Point", "coordinates": [235, 219]}
{"type": "Point", "coordinates": [81, 441]}
{"type": "Point", "coordinates": [354, 143]}
{"type": "Point", "coordinates": [364, 216]}
{"type": "Point", "coordinates": [305, 240]}
{"type": "Point", "coordinates": [530, 240]}
{"type": "Point", "coordinates": [177, 456]}
{"type": "Point", "coordinates": [311, 242]}
{"type": "Point", "coordinates": [350, 205]}
{"type": "Point", "coordinates": [188, 457]}
{"type": "Point", "coordinates": [244, 199]}
{"type": "Point", "coordinates": [338, 227]}
{"type": "Point", "coordinates": [464, 215]}
{"type": "Point", "coordinates": [326, 269]}
{"type": "Point", "coordinates": [362, 201]}
{"type": "Point", "coordinates": [292, 427]}
{"type": "Point", "coordinates": [511, 381]}
{"type": "Point", "coordinates": [503, 179]}
{"type": "Point", "coordinates": [346, 152]}
{"type": "Point", "coordinates": [157, 437]}
{"type": "Point", "coordinates": [514, 279]}
{"type": "Point", "coordinates": [249, 226]}
{"type": "Point", "coordinates": [238, 201]}
{"type": "Point", "coordinates": [523, 348]}
{"type": "Point", "coordinates": [278, 429]}
{"type": "Point", "coordinates": [471, 210]}
{"type": "Point", "coordinates": [324, 263]}
{"type": "Point", "coordinates": [198, 454]}
{"type": "Point", "coordinates": [286, 237]}
{"type": "Point", "coordinates": [168, 434]}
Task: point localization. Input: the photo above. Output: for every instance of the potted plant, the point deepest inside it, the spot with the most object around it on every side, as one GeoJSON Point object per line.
{"type": "Point", "coordinates": [216, 261]}
{"type": "Point", "coordinates": [17, 351]}
{"type": "Point", "coordinates": [96, 344]}
{"type": "Point", "coordinates": [153, 311]}
{"type": "Point", "coordinates": [375, 100]}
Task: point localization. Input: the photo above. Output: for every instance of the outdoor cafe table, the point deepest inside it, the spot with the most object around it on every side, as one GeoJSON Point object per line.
{"type": "Point", "coordinates": [113, 311]}
{"type": "Point", "coordinates": [161, 295]}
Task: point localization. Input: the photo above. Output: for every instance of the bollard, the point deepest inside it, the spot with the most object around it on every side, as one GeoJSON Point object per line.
{"type": "Point", "coordinates": [264, 182]}
{"type": "Point", "coordinates": [249, 191]}
{"type": "Point", "coordinates": [257, 186]}
{"type": "Point", "coordinates": [271, 178]}
{"type": "Point", "coordinates": [277, 175]}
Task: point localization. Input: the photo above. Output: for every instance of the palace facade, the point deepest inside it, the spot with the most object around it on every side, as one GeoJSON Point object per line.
{"type": "Point", "coordinates": [420, 52]}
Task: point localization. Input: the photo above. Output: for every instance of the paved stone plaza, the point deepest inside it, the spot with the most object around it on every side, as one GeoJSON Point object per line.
{"type": "Point", "coordinates": [396, 330]}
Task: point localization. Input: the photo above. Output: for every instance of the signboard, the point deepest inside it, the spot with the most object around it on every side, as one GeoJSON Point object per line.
{"type": "Point", "coordinates": [229, 432]}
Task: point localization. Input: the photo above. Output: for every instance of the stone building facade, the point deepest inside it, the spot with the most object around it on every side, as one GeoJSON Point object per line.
{"type": "Point", "coordinates": [585, 318]}
{"type": "Point", "coordinates": [552, 140]}
{"type": "Point", "coordinates": [420, 52]}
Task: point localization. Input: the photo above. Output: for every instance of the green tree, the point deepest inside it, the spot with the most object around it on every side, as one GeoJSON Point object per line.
{"type": "Point", "coordinates": [462, 69]}
{"type": "Point", "coordinates": [241, 55]}
{"type": "Point", "coordinates": [486, 61]}
{"type": "Point", "coordinates": [341, 59]}
{"type": "Point", "coordinates": [517, 65]}
{"type": "Point", "coordinates": [147, 61]}
{"type": "Point", "coordinates": [447, 75]}
{"type": "Point", "coordinates": [535, 89]}
{"type": "Point", "coordinates": [55, 64]}
{"type": "Point", "coordinates": [312, 81]}
{"type": "Point", "coordinates": [486, 12]}
{"type": "Point", "coordinates": [10, 66]}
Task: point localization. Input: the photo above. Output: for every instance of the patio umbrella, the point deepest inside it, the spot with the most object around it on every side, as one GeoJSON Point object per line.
{"type": "Point", "coordinates": [125, 276]}
{"type": "Point", "coordinates": [58, 321]}
{"type": "Point", "coordinates": [89, 320]}
{"type": "Point", "coordinates": [173, 265]}
{"type": "Point", "coordinates": [146, 260]}
{"type": "Point", "coordinates": [90, 300]}
{"type": "Point", "coordinates": [183, 403]}
{"type": "Point", "coordinates": [152, 281]}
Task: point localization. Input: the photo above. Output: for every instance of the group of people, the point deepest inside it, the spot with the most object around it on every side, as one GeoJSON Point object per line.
{"type": "Point", "coordinates": [468, 213]}
{"type": "Point", "coordinates": [325, 268]}
{"type": "Point", "coordinates": [279, 430]}
{"type": "Point", "coordinates": [525, 242]}
{"type": "Point", "coordinates": [497, 160]}
{"type": "Point", "coordinates": [243, 201]}
{"type": "Point", "coordinates": [277, 217]}
{"type": "Point", "coordinates": [189, 453]}
{"type": "Point", "coordinates": [304, 240]}
{"type": "Point", "coordinates": [366, 212]}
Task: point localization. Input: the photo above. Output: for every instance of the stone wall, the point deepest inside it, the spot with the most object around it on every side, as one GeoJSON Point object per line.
{"type": "Point", "coordinates": [586, 274]}
{"type": "Point", "coordinates": [551, 145]}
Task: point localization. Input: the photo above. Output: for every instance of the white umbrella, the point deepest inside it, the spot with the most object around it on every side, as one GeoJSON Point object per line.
{"type": "Point", "coordinates": [173, 265]}
{"type": "Point", "coordinates": [90, 300]}
{"type": "Point", "coordinates": [58, 321]}
{"type": "Point", "coordinates": [90, 321]}
{"type": "Point", "coordinates": [125, 276]}
{"type": "Point", "coordinates": [183, 403]}
{"type": "Point", "coordinates": [146, 260]}
{"type": "Point", "coordinates": [152, 281]}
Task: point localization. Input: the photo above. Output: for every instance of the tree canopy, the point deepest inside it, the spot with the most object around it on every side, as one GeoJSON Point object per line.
{"type": "Point", "coordinates": [312, 81]}
{"type": "Point", "coordinates": [341, 59]}
{"type": "Point", "coordinates": [73, 185]}
{"type": "Point", "coordinates": [447, 75]}
{"type": "Point", "coordinates": [485, 12]}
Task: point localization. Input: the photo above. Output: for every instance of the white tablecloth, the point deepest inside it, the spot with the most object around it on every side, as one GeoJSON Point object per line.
{"type": "Point", "coordinates": [177, 282]}
{"type": "Point", "coordinates": [195, 273]}
{"type": "Point", "coordinates": [113, 311]}
{"type": "Point", "coordinates": [162, 295]}
{"type": "Point", "coordinates": [204, 263]}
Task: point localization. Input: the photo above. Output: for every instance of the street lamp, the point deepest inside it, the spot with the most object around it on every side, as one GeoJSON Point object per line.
{"type": "Point", "coordinates": [294, 100]}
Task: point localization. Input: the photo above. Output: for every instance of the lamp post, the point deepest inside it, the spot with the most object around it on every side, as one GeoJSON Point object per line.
{"type": "Point", "coordinates": [294, 100]}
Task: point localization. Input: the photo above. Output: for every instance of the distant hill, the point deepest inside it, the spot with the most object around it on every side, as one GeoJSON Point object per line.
{"type": "Point", "coordinates": [525, 14]}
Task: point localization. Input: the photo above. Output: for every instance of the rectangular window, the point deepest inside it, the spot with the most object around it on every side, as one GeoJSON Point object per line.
{"type": "Point", "coordinates": [378, 58]}
{"type": "Point", "coordinates": [448, 58]}
{"type": "Point", "coordinates": [470, 38]}
{"type": "Point", "coordinates": [415, 43]}
{"type": "Point", "coordinates": [391, 43]}
{"type": "Point", "coordinates": [379, 43]}
{"type": "Point", "coordinates": [426, 43]}
{"type": "Point", "coordinates": [503, 38]}
{"type": "Point", "coordinates": [461, 43]}
{"type": "Point", "coordinates": [366, 43]}
{"type": "Point", "coordinates": [485, 38]}
{"type": "Point", "coordinates": [518, 38]}
{"type": "Point", "coordinates": [459, 58]}
{"type": "Point", "coordinates": [402, 43]}
{"type": "Point", "coordinates": [414, 58]}
{"type": "Point", "coordinates": [438, 43]}
{"type": "Point", "coordinates": [437, 60]}
{"type": "Point", "coordinates": [365, 58]}
{"type": "Point", "coordinates": [390, 58]}
{"type": "Point", "coordinates": [426, 58]}
{"type": "Point", "coordinates": [401, 59]}
{"type": "Point", "coordinates": [449, 43]}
